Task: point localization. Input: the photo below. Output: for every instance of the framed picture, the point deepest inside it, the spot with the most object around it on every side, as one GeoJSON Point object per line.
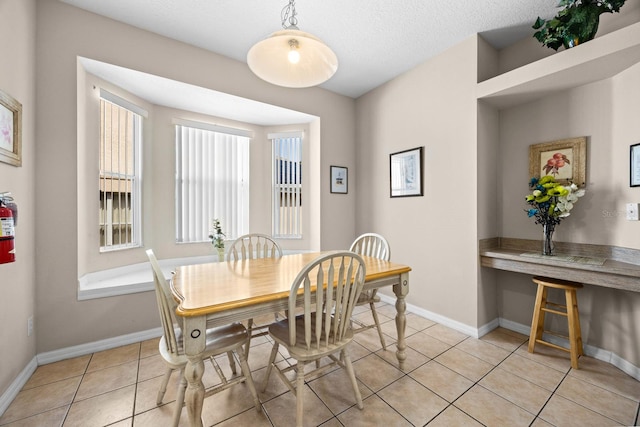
{"type": "Point", "coordinates": [10, 130]}
{"type": "Point", "coordinates": [339, 179]}
{"type": "Point", "coordinates": [564, 159]}
{"type": "Point", "coordinates": [406, 173]}
{"type": "Point", "coordinates": [634, 172]}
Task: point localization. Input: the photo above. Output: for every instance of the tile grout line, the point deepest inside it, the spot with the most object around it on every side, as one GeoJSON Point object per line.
{"type": "Point", "coordinates": [553, 393]}
{"type": "Point", "coordinates": [480, 379]}
{"type": "Point", "coordinates": [66, 415]}
{"type": "Point", "coordinates": [135, 390]}
{"type": "Point", "coordinates": [580, 404]}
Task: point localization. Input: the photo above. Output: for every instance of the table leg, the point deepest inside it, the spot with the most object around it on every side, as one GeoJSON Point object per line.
{"type": "Point", "coordinates": [401, 290]}
{"type": "Point", "coordinates": [194, 330]}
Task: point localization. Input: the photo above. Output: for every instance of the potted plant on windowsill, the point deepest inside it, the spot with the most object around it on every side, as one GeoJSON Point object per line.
{"type": "Point", "coordinates": [217, 238]}
{"type": "Point", "coordinates": [575, 24]}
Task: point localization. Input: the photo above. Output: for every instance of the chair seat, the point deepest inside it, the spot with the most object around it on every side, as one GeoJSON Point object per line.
{"type": "Point", "coordinates": [219, 341]}
{"type": "Point", "coordinates": [279, 331]}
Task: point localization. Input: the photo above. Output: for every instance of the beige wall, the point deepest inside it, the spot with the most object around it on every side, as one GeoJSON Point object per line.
{"type": "Point", "coordinates": [65, 32]}
{"type": "Point", "coordinates": [476, 176]}
{"type": "Point", "coordinates": [433, 106]}
{"type": "Point", "coordinates": [17, 280]}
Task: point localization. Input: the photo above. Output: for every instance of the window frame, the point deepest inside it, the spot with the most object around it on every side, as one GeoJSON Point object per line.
{"type": "Point", "coordinates": [139, 114]}
{"type": "Point", "coordinates": [295, 190]}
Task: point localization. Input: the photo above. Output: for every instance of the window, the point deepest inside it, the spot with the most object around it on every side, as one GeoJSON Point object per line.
{"type": "Point", "coordinates": [287, 184]}
{"type": "Point", "coordinates": [212, 181]}
{"type": "Point", "coordinates": [120, 165]}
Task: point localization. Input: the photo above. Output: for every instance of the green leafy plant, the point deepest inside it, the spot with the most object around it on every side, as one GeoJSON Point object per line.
{"type": "Point", "coordinates": [217, 236]}
{"type": "Point", "coordinates": [576, 23]}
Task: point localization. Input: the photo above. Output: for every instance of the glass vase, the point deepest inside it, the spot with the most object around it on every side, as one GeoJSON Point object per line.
{"type": "Point", "coordinates": [220, 254]}
{"type": "Point", "coordinates": [547, 239]}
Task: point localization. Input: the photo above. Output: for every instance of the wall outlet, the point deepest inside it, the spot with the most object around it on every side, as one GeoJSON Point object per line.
{"type": "Point", "coordinates": [632, 212]}
{"type": "Point", "coordinates": [30, 326]}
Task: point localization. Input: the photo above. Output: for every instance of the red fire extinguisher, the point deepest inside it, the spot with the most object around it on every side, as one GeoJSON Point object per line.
{"type": "Point", "coordinates": [7, 234]}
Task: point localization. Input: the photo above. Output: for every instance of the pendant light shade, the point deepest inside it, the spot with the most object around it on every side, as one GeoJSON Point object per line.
{"type": "Point", "coordinates": [292, 58]}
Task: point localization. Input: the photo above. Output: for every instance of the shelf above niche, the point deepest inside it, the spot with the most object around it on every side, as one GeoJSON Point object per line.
{"type": "Point", "coordinates": [598, 59]}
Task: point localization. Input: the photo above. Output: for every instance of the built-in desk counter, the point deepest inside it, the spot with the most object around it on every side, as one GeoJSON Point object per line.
{"type": "Point", "coordinates": [608, 266]}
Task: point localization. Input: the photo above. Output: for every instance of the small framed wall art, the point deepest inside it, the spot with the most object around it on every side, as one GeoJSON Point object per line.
{"type": "Point", "coordinates": [634, 172]}
{"type": "Point", "coordinates": [565, 160]}
{"type": "Point", "coordinates": [10, 130]}
{"type": "Point", "coordinates": [339, 179]}
{"type": "Point", "coordinates": [406, 173]}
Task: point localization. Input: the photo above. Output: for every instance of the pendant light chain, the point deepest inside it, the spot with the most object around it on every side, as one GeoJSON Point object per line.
{"type": "Point", "coordinates": [288, 16]}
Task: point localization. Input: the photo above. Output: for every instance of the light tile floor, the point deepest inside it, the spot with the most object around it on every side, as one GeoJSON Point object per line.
{"type": "Point", "coordinates": [450, 379]}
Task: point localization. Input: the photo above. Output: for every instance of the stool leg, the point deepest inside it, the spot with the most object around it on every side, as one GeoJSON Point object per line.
{"type": "Point", "coordinates": [570, 295]}
{"type": "Point", "coordinates": [576, 315]}
{"type": "Point", "coordinates": [537, 323]}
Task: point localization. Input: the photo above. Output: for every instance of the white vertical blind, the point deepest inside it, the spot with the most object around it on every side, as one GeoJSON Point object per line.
{"type": "Point", "coordinates": [287, 185]}
{"type": "Point", "coordinates": [212, 182]}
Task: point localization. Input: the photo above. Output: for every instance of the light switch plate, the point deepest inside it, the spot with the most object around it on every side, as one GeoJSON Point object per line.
{"type": "Point", "coordinates": [632, 211]}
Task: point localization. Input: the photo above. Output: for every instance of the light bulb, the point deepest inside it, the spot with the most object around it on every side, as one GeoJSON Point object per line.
{"type": "Point", "coordinates": [294, 55]}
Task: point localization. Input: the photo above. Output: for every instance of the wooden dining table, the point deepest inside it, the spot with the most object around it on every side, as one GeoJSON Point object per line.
{"type": "Point", "coordinates": [221, 293]}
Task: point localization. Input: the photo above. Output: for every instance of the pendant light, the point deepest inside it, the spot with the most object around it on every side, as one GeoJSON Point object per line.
{"type": "Point", "coordinates": [290, 57]}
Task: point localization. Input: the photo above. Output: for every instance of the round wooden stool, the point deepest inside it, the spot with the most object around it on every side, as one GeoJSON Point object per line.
{"type": "Point", "coordinates": [569, 310]}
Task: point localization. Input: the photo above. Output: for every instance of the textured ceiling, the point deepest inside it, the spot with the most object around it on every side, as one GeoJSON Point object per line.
{"type": "Point", "coordinates": [375, 40]}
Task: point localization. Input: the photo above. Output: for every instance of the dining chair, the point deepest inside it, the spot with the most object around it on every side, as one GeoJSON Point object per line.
{"type": "Point", "coordinates": [219, 340]}
{"type": "Point", "coordinates": [323, 327]}
{"type": "Point", "coordinates": [254, 246]}
{"type": "Point", "coordinates": [373, 245]}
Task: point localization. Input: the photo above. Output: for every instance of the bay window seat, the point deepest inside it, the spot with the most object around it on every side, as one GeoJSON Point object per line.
{"type": "Point", "coordinates": [133, 278]}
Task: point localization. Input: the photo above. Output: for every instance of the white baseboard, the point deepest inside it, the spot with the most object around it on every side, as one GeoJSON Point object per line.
{"type": "Point", "coordinates": [92, 347]}
{"type": "Point", "coordinates": [589, 350]}
{"type": "Point", "coordinates": [67, 353]}
{"type": "Point", "coordinates": [17, 384]}
{"type": "Point", "coordinates": [445, 321]}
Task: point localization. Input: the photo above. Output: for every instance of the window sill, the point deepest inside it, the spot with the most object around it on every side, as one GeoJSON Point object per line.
{"type": "Point", "coordinates": [133, 278]}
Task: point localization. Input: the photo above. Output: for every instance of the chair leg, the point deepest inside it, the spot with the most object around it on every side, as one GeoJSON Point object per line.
{"type": "Point", "coordinates": [352, 376]}
{"type": "Point", "coordinates": [179, 399]}
{"type": "Point", "coordinates": [272, 358]}
{"type": "Point", "coordinates": [232, 362]}
{"type": "Point", "coordinates": [375, 319]}
{"type": "Point", "coordinates": [300, 394]}
{"type": "Point", "coordinates": [246, 372]}
{"type": "Point", "coordinates": [250, 332]}
{"type": "Point", "coordinates": [163, 386]}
